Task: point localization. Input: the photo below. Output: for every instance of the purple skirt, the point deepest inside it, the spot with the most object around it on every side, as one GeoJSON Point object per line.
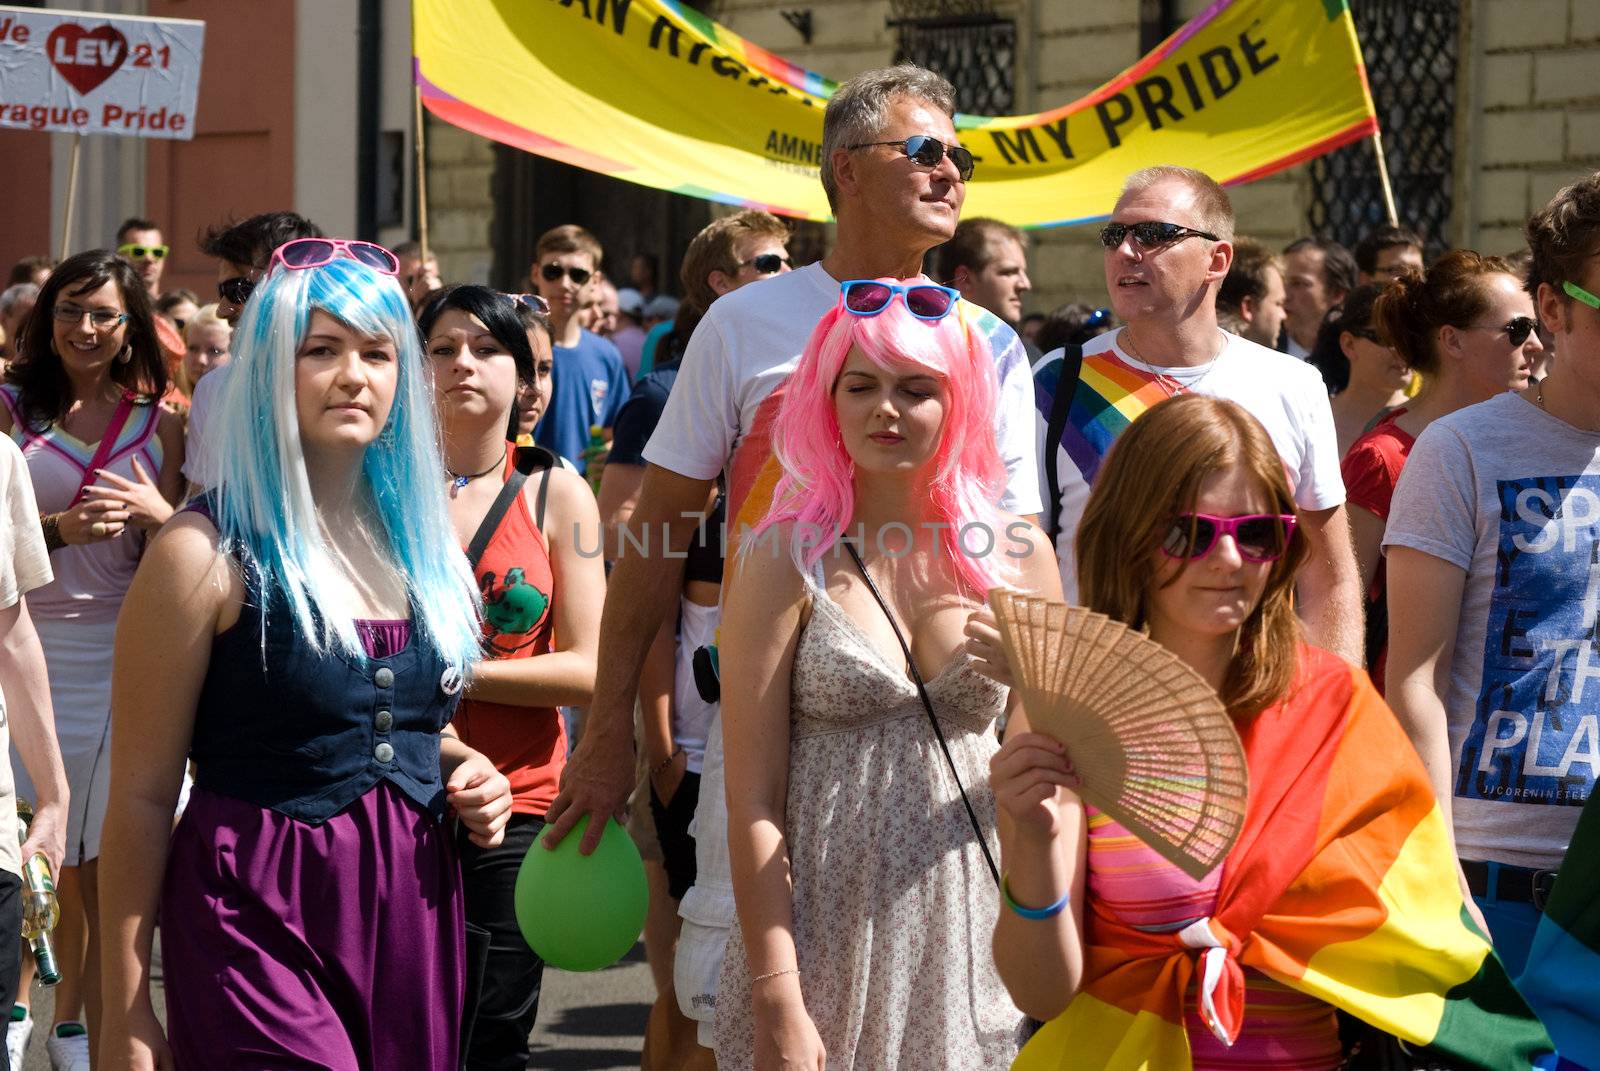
{"type": "Point", "coordinates": [294, 946]}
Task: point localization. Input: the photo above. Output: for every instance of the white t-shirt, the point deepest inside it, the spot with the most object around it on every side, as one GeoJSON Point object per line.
{"type": "Point", "coordinates": [1286, 395]}
{"type": "Point", "coordinates": [1510, 494]}
{"type": "Point", "coordinates": [721, 407]}
{"type": "Point", "coordinates": [199, 464]}
{"type": "Point", "coordinates": [24, 566]}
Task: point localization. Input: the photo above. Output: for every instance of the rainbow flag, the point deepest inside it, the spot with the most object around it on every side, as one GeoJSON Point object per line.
{"type": "Point", "coordinates": [1342, 886]}
{"type": "Point", "coordinates": [654, 92]}
{"type": "Point", "coordinates": [1111, 395]}
{"type": "Point", "coordinates": [1562, 979]}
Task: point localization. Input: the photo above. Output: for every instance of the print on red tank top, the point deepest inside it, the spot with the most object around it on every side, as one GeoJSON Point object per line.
{"type": "Point", "coordinates": [527, 744]}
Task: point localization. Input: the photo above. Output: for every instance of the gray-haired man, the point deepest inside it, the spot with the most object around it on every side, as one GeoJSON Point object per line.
{"type": "Point", "coordinates": [895, 178]}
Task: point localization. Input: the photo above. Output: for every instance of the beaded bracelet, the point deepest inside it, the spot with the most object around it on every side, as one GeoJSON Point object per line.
{"type": "Point", "coordinates": [1034, 913]}
{"type": "Point", "coordinates": [664, 763]}
{"type": "Point", "coordinates": [774, 974]}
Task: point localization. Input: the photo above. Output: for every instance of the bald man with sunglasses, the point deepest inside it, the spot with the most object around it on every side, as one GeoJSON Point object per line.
{"type": "Point", "coordinates": [1167, 250]}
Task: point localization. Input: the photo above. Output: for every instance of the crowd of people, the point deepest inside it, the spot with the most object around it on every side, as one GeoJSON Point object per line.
{"type": "Point", "coordinates": [327, 601]}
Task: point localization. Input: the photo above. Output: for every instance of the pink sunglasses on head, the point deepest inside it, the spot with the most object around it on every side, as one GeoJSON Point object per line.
{"type": "Point", "coordinates": [315, 252]}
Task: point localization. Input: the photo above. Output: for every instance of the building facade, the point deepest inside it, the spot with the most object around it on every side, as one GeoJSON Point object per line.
{"type": "Point", "coordinates": [1488, 106]}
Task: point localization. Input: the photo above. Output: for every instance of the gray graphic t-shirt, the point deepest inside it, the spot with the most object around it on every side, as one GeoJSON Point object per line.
{"type": "Point", "coordinates": [1512, 495]}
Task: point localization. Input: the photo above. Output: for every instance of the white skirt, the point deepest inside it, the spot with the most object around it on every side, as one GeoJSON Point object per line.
{"type": "Point", "coordinates": [78, 656]}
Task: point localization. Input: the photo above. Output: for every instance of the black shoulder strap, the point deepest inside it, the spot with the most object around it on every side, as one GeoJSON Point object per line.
{"type": "Point", "coordinates": [539, 500]}
{"type": "Point", "coordinates": [1060, 406]}
{"type": "Point", "coordinates": [491, 520]}
{"type": "Point", "coordinates": [927, 704]}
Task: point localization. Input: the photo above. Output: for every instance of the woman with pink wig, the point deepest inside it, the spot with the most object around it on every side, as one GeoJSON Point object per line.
{"type": "Point", "coordinates": [857, 729]}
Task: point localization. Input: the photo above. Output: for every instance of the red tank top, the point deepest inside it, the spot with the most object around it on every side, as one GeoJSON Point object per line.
{"type": "Point", "coordinates": [527, 744]}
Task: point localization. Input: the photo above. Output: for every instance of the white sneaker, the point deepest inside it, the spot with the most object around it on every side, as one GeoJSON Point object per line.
{"type": "Point", "coordinates": [18, 1031]}
{"type": "Point", "coordinates": [69, 1053]}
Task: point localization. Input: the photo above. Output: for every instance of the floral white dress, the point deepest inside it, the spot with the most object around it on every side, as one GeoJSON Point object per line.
{"type": "Point", "coordinates": [894, 906]}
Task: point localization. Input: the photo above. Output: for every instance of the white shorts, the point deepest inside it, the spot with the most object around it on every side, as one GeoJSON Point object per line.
{"type": "Point", "coordinates": [707, 909]}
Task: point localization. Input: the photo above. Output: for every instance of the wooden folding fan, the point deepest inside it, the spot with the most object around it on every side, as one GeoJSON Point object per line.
{"type": "Point", "coordinates": [1149, 738]}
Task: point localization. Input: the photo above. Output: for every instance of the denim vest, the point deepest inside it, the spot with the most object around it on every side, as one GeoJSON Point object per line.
{"type": "Point", "coordinates": [306, 734]}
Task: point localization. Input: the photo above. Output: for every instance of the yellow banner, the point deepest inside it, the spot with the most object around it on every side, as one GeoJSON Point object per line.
{"type": "Point", "coordinates": [656, 93]}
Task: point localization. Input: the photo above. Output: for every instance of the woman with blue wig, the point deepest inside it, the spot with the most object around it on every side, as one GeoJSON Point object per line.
{"type": "Point", "coordinates": [302, 632]}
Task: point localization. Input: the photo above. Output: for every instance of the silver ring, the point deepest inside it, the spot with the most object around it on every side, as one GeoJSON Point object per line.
{"type": "Point", "coordinates": [99, 529]}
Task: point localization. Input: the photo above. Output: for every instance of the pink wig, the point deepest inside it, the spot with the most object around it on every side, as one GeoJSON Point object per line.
{"type": "Point", "coordinates": [815, 490]}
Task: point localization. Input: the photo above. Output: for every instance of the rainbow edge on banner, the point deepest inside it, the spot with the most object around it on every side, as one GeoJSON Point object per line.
{"type": "Point", "coordinates": [656, 93]}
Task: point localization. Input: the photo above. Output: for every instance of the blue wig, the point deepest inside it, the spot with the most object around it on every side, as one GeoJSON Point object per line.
{"type": "Point", "coordinates": [264, 510]}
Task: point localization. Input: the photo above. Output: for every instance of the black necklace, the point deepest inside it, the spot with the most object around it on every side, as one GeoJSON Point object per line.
{"type": "Point", "coordinates": [458, 481]}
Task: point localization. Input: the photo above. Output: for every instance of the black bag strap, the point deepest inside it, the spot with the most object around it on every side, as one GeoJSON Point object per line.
{"type": "Point", "coordinates": [491, 520]}
{"type": "Point", "coordinates": [1060, 406]}
{"type": "Point", "coordinates": [927, 704]}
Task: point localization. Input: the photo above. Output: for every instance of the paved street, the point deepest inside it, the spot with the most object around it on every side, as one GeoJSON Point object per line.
{"type": "Point", "coordinates": [587, 1022]}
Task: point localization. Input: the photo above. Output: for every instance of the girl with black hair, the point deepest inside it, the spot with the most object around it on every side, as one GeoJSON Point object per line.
{"type": "Point", "coordinates": [533, 533]}
{"type": "Point", "coordinates": [81, 400]}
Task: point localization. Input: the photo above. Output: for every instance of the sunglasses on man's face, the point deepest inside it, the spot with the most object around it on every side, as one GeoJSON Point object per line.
{"type": "Point", "coordinates": [1517, 329]}
{"type": "Point", "coordinates": [236, 291]}
{"type": "Point", "coordinates": [1260, 537]}
{"type": "Point", "coordinates": [552, 271]}
{"type": "Point", "coordinates": [928, 151]}
{"type": "Point", "coordinates": [142, 252]}
{"type": "Point", "coordinates": [767, 263]}
{"type": "Point", "coordinates": [1150, 234]}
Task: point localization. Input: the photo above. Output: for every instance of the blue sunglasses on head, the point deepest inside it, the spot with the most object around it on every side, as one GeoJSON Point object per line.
{"type": "Point", "coordinates": [925, 301]}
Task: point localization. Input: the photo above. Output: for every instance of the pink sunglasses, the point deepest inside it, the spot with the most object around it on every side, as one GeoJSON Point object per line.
{"type": "Point", "coordinates": [1260, 537]}
{"type": "Point", "coordinates": [315, 252]}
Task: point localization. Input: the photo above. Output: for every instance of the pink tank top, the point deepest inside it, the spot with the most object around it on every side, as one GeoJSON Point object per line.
{"type": "Point", "coordinates": [1283, 1028]}
{"type": "Point", "coordinates": [90, 581]}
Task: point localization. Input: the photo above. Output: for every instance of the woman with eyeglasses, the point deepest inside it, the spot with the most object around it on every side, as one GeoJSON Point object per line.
{"type": "Point", "coordinates": [855, 726]}
{"type": "Point", "coordinates": [1339, 891]}
{"type": "Point", "coordinates": [1467, 327]}
{"type": "Point", "coordinates": [303, 631]}
{"type": "Point", "coordinates": [531, 531]}
{"type": "Point", "coordinates": [1493, 557]}
{"type": "Point", "coordinates": [82, 401]}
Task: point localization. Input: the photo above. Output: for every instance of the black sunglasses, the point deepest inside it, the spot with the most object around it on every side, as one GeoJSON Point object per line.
{"type": "Point", "coordinates": [768, 263]}
{"type": "Point", "coordinates": [928, 152]}
{"type": "Point", "coordinates": [236, 291]}
{"type": "Point", "coordinates": [533, 301]}
{"type": "Point", "coordinates": [554, 271]}
{"type": "Point", "coordinates": [1150, 234]}
{"type": "Point", "coordinates": [1517, 329]}
{"type": "Point", "coordinates": [1368, 333]}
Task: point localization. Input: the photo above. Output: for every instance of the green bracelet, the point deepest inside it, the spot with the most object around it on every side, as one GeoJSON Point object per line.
{"type": "Point", "coordinates": [1034, 913]}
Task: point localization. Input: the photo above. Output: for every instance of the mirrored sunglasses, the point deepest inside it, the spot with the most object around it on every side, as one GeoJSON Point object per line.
{"type": "Point", "coordinates": [928, 151]}
{"type": "Point", "coordinates": [303, 253]}
{"type": "Point", "coordinates": [1150, 234]}
{"type": "Point", "coordinates": [925, 301]}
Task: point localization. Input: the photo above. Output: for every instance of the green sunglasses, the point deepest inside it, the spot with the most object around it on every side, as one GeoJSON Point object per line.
{"type": "Point", "coordinates": [1574, 290]}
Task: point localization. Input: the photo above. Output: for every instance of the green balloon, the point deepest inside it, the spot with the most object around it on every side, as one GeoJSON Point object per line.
{"type": "Point", "coordinates": [582, 913]}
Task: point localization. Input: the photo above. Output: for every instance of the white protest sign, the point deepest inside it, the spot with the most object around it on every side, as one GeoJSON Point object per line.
{"type": "Point", "coordinates": [80, 72]}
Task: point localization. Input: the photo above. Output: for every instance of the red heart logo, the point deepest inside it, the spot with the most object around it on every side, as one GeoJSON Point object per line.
{"type": "Point", "coordinates": [86, 58]}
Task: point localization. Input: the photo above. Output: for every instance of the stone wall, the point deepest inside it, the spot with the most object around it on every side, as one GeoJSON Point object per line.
{"type": "Point", "coordinates": [1531, 121]}
{"type": "Point", "coordinates": [460, 201]}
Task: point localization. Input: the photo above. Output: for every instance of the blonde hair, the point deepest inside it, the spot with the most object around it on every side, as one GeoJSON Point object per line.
{"type": "Point", "coordinates": [206, 317]}
{"type": "Point", "coordinates": [1210, 199]}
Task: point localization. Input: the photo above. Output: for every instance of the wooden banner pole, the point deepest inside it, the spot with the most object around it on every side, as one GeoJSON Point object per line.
{"type": "Point", "coordinates": [72, 196]}
{"type": "Point", "coordinates": [421, 147]}
{"type": "Point", "coordinates": [1383, 177]}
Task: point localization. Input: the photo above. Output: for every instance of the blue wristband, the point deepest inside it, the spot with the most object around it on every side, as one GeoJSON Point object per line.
{"type": "Point", "coordinates": [1035, 913]}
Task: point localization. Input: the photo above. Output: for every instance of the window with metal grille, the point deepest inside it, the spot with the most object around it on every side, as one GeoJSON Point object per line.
{"type": "Point", "coordinates": [1410, 47]}
{"type": "Point", "coordinates": [965, 41]}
